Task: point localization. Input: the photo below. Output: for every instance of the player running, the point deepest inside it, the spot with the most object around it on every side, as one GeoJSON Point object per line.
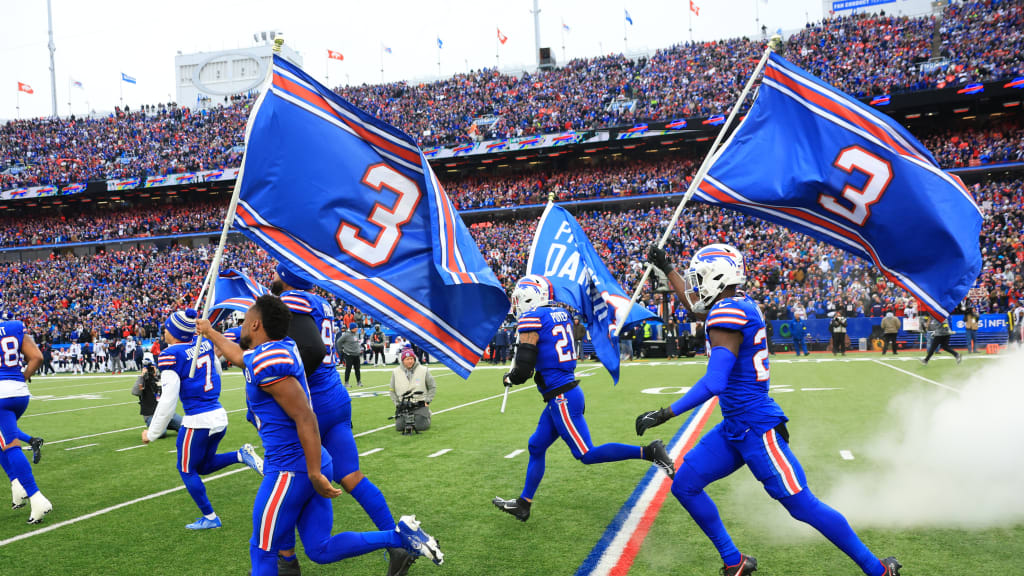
{"type": "Point", "coordinates": [546, 344]}
{"type": "Point", "coordinates": [312, 323]}
{"type": "Point", "coordinates": [753, 428]}
{"type": "Point", "coordinates": [205, 420]}
{"type": "Point", "coordinates": [296, 488]}
{"type": "Point", "coordinates": [14, 397]}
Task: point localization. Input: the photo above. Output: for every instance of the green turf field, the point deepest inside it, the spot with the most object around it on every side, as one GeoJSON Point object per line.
{"type": "Point", "coordinates": [92, 461]}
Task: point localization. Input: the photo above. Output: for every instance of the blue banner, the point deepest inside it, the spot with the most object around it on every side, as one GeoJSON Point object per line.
{"type": "Point", "coordinates": [814, 160]}
{"type": "Point", "coordinates": [840, 5]}
{"type": "Point", "coordinates": [233, 292]}
{"type": "Point", "coordinates": [563, 254]}
{"type": "Point", "coordinates": [351, 204]}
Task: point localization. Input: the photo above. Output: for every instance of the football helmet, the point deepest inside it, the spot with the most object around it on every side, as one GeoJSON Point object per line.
{"type": "Point", "coordinates": [712, 269]}
{"type": "Point", "coordinates": [531, 292]}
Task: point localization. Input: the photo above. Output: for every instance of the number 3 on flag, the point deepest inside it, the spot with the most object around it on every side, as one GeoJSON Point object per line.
{"type": "Point", "coordinates": [879, 173]}
{"type": "Point", "coordinates": [390, 219]}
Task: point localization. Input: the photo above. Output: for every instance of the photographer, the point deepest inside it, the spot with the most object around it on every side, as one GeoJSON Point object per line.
{"type": "Point", "coordinates": [147, 388]}
{"type": "Point", "coordinates": [412, 377]}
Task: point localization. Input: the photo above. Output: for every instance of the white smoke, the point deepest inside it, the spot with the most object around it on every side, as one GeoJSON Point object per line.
{"type": "Point", "coordinates": [946, 459]}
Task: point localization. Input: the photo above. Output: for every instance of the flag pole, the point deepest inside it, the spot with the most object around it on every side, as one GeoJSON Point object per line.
{"type": "Point", "coordinates": [229, 218]}
{"type": "Point", "coordinates": [698, 178]}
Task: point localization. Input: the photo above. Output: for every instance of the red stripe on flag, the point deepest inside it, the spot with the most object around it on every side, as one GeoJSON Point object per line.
{"type": "Point", "coordinates": [397, 306]}
{"type": "Point", "coordinates": [449, 232]}
{"type": "Point", "coordinates": [319, 101]}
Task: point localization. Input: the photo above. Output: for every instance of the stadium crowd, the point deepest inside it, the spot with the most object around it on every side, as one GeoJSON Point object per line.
{"type": "Point", "coordinates": [861, 54]}
{"type": "Point", "coordinates": [132, 291]}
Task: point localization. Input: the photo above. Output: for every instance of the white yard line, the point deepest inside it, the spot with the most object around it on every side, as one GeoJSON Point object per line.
{"type": "Point", "coordinates": [94, 435]}
{"type": "Point", "coordinates": [373, 451]}
{"type": "Point", "coordinates": [440, 453]}
{"type": "Point", "coordinates": [52, 527]}
{"type": "Point", "coordinates": [514, 453]}
{"type": "Point", "coordinates": [918, 376]}
{"type": "Point", "coordinates": [130, 448]}
{"type": "Point", "coordinates": [79, 447]}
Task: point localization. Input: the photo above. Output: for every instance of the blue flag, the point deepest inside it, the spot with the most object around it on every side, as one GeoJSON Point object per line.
{"type": "Point", "coordinates": [351, 204]}
{"type": "Point", "coordinates": [628, 19]}
{"type": "Point", "coordinates": [563, 254]}
{"type": "Point", "coordinates": [233, 292]}
{"type": "Point", "coordinates": [817, 161]}
{"type": "Point", "coordinates": [127, 78]}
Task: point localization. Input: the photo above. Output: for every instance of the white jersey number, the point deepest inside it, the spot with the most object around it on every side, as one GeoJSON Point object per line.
{"type": "Point", "coordinates": [390, 219]}
{"type": "Point", "coordinates": [761, 357]}
{"type": "Point", "coordinates": [879, 173]}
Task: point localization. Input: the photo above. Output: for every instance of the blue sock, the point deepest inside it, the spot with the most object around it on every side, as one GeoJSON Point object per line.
{"type": "Point", "coordinates": [197, 490]}
{"type": "Point", "coordinates": [534, 472]}
{"type": "Point", "coordinates": [688, 488]}
{"type": "Point", "coordinates": [370, 498]}
{"type": "Point", "coordinates": [612, 452]}
{"type": "Point", "coordinates": [18, 467]}
{"type": "Point", "coordinates": [805, 507]}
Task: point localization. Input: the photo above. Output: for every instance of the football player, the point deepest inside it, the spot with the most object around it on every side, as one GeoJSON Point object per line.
{"type": "Point", "coordinates": [14, 397]}
{"type": "Point", "coordinates": [546, 352]}
{"type": "Point", "coordinates": [753, 428]}
{"type": "Point", "coordinates": [296, 488]}
{"type": "Point", "coordinates": [313, 322]}
{"type": "Point", "coordinates": [205, 420]}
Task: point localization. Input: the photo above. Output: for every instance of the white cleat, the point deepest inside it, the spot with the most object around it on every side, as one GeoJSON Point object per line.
{"type": "Point", "coordinates": [418, 542]}
{"type": "Point", "coordinates": [40, 507]}
{"type": "Point", "coordinates": [18, 495]}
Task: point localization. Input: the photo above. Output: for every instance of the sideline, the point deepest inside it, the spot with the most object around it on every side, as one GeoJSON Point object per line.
{"type": "Point", "coordinates": [918, 376]}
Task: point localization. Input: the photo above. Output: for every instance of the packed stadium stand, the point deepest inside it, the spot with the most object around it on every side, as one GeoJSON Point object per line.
{"type": "Point", "coordinates": [116, 263]}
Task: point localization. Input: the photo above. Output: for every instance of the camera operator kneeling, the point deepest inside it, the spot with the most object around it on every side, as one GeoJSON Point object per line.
{"type": "Point", "coordinates": [412, 378]}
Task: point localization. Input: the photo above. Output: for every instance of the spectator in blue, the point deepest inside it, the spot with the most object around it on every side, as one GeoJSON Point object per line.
{"type": "Point", "coordinates": [799, 336]}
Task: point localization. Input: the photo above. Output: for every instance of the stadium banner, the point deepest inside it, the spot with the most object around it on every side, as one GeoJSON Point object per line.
{"type": "Point", "coordinates": [123, 184]}
{"type": "Point", "coordinates": [986, 323]}
{"type": "Point", "coordinates": [234, 291]}
{"type": "Point", "coordinates": [351, 204]}
{"type": "Point", "coordinates": [33, 192]}
{"type": "Point", "coordinates": [814, 160]}
{"type": "Point", "coordinates": [562, 253]}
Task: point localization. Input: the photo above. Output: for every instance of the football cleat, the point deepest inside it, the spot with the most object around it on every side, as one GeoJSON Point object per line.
{"type": "Point", "coordinates": [204, 523]}
{"type": "Point", "coordinates": [249, 457]}
{"type": "Point", "coordinates": [40, 507]}
{"type": "Point", "coordinates": [36, 444]}
{"type": "Point", "coordinates": [892, 567]}
{"type": "Point", "coordinates": [519, 507]}
{"type": "Point", "coordinates": [656, 453]}
{"type": "Point", "coordinates": [18, 495]}
{"type": "Point", "coordinates": [418, 542]}
{"type": "Point", "coordinates": [288, 567]}
{"type": "Point", "coordinates": [399, 561]}
{"type": "Point", "coordinates": [747, 565]}
{"type": "Point", "coordinates": [959, 358]}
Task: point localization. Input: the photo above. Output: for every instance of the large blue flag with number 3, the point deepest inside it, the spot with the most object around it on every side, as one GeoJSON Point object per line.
{"type": "Point", "coordinates": [351, 204]}
{"type": "Point", "coordinates": [815, 160]}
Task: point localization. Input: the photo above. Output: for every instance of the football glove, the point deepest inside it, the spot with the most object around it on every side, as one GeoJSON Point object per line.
{"type": "Point", "coordinates": [657, 257]}
{"type": "Point", "coordinates": [652, 419]}
{"type": "Point", "coordinates": [504, 379]}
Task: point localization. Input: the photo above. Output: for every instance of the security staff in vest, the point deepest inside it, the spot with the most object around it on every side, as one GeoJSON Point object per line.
{"type": "Point", "coordinates": [411, 376]}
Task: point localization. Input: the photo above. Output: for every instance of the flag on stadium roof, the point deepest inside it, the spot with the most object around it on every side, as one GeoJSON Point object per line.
{"type": "Point", "coordinates": [333, 55]}
{"type": "Point", "coordinates": [350, 203]}
{"type": "Point", "coordinates": [127, 78]}
{"type": "Point", "coordinates": [234, 291]}
{"type": "Point", "coordinates": [562, 253]}
{"type": "Point", "coordinates": [501, 37]}
{"type": "Point", "coordinates": [22, 87]}
{"type": "Point", "coordinates": [565, 26]}
{"type": "Point", "coordinates": [628, 18]}
{"type": "Point", "coordinates": [440, 44]}
{"type": "Point", "coordinates": [815, 160]}
{"type": "Point", "coordinates": [76, 84]}
{"type": "Point", "coordinates": [694, 8]}
{"type": "Point", "coordinates": [387, 49]}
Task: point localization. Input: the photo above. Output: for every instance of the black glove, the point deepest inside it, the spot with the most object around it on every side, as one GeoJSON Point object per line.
{"type": "Point", "coordinates": [652, 419]}
{"type": "Point", "coordinates": [504, 379]}
{"type": "Point", "coordinates": [657, 257]}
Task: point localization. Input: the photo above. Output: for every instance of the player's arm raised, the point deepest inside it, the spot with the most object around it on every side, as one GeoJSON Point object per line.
{"type": "Point", "coordinates": [288, 393]}
{"type": "Point", "coordinates": [231, 351]}
{"type": "Point", "coordinates": [725, 347]}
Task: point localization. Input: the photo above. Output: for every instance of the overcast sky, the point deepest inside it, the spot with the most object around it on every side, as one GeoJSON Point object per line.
{"type": "Point", "coordinates": [97, 40]}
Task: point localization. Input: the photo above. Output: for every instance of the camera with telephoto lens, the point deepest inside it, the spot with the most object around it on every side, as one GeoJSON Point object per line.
{"type": "Point", "coordinates": [405, 412]}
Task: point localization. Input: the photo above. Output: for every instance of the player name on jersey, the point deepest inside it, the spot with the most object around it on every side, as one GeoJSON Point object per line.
{"type": "Point", "coordinates": [204, 347]}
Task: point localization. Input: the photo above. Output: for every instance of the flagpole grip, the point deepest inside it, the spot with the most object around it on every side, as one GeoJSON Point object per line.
{"type": "Point", "coordinates": [698, 178]}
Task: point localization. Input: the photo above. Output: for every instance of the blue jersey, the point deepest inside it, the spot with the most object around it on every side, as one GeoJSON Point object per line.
{"type": "Point", "coordinates": [325, 377]}
{"type": "Point", "coordinates": [745, 400]}
{"type": "Point", "coordinates": [200, 393]}
{"type": "Point", "coordinates": [234, 335]}
{"type": "Point", "coordinates": [556, 351]}
{"type": "Point", "coordinates": [266, 364]}
{"type": "Point", "coordinates": [12, 333]}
